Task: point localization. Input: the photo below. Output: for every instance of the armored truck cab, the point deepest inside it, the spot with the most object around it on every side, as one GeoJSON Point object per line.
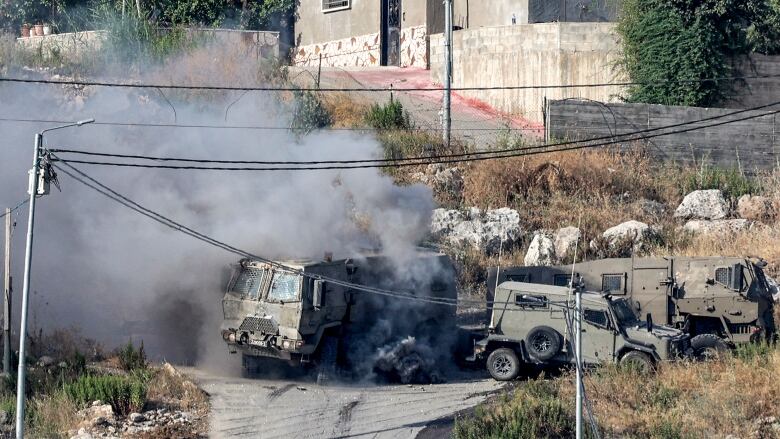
{"type": "Point", "coordinates": [285, 310]}
{"type": "Point", "coordinates": [533, 324]}
{"type": "Point", "coordinates": [717, 300]}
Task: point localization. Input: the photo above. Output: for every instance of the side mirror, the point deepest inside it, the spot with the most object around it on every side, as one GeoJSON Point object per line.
{"type": "Point", "coordinates": [316, 297]}
{"type": "Point", "coordinates": [736, 277]}
{"type": "Point", "coordinates": [649, 320]}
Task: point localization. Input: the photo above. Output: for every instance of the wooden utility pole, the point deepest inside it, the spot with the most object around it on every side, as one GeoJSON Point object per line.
{"type": "Point", "coordinates": [7, 296]}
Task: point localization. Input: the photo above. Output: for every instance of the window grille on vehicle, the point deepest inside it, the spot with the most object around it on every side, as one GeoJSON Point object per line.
{"type": "Point", "coordinates": [284, 287]}
{"type": "Point", "coordinates": [612, 283]}
{"type": "Point", "coordinates": [249, 282]}
{"type": "Point", "coordinates": [723, 275]}
{"type": "Point", "coordinates": [329, 5]}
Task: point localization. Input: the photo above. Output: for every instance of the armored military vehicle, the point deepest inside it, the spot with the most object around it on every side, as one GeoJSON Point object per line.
{"type": "Point", "coordinates": [532, 325]}
{"type": "Point", "coordinates": [719, 301]}
{"type": "Point", "coordinates": [305, 312]}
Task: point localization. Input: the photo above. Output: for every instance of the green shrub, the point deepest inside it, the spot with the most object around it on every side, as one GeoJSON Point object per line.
{"type": "Point", "coordinates": [125, 394]}
{"type": "Point", "coordinates": [131, 358]}
{"type": "Point", "coordinates": [731, 181]}
{"type": "Point", "coordinates": [390, 116]}
{"type": "Point", "coordinates": [536, 411]}
{"type": "Point", "coordinates": [309, 113]}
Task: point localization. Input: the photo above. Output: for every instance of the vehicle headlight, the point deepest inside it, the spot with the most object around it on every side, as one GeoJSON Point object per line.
{"type": "Point", "coordinates": [292, 345]}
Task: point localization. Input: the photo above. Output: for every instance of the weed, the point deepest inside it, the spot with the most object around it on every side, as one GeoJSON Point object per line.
{"type": "Point", "coordinates": [309, 113]}
{"type": "Point", "coordinates": [390, 116]}
{"type": "Point", "coordinates": [731, 181]}
{"type": "Point", "coordinates": [125, 394]}
{"type": "Point", "coordinates": [131, 359]}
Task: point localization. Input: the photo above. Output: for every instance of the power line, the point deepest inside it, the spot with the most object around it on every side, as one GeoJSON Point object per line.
{"type": "Point", "coordinates": [378, 89]}
{"type": "Point", "coordinates": [390, 163]}
{"type": "Point", "coordinates": [15, 208]}
{"type": "Point", "coordinates": [433, 157]}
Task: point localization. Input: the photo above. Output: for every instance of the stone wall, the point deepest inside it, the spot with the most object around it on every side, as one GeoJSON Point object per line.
{"type": "Point", "coordinates": [360, 51]}
{"type": "Point", "coordinates": [414, 47]}
{"type": "Point", "coordinates": [531, 54]}
{"type": "Point", "coordinates": [749, 145]}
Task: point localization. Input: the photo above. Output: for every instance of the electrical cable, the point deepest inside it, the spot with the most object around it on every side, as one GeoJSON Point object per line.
{"type": "Point", "coordinates": [20, 204]}
{"type": "Point", "coordinates": [382, 89]}
{"type": "Point", "coordinates": [391, 163]}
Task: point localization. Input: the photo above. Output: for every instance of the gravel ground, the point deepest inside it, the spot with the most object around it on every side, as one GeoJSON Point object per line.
{"type": "Point", "coordinates": [297, 407]}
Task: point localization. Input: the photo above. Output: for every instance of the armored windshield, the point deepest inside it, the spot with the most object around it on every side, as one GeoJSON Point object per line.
{"type": "Point", "coordinates": [249, 282]}
{"type": "Point", "coordinates": [623, 313]}
{"type": "Point", "coordinates": [285, 287]}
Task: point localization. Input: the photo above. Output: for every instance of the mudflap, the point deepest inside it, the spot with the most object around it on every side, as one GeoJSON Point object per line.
{"type": "Point", "coordinates": [327, 367]}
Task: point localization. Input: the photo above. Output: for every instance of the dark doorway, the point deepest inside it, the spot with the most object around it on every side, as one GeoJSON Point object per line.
{"type": "Point", "coordinates": [391, 33]}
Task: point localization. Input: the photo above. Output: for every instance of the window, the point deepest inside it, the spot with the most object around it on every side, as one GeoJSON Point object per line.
{"type": "Point", "coordinates": [284, 287]}
{"type": "Point", "coordinates": [612, 283]}
{"type": "Point", "coordinates": [529, 301]}
{"type": "Point", "coordinates": [596, 317]}
{"type": "Point", "coordinates": [561, 280]}
{"type": "Point", "coordinates": [334, 5]}
{"type": "Point", "coordinates": [723, 276]}
{"type": "Point", "coordinates": [518, 277]}
{"type": "Point", "coordinates": [249, 282]}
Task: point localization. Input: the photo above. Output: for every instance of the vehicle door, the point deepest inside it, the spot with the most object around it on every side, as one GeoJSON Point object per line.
{"type": "Point", "coordinates": [650, 289]}
{"type": "Point", "coordinates": [598, 334]}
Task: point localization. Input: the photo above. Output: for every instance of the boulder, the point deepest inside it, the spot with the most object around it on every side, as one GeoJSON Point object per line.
{"type": "Point", "coordinates": [46, 361]}
{"type": "Point", "coordinates": [136, 418]}
{"type": "Point", "coordinates": [541, 251]}
{"type": "Point", "coordinates": [704, 204]}
{"type": "Point", "coordinates": [756, 208]}
{"type": "Point", "coordinates": [96, 415]}
{"type": "Point", "coordinates": [482, 230]}
{"type": "Point", "coordinates": [636, 232]}
{"type": "Point", "coordinates": [717, 227]}
{"type": "Point", "coordinates": [565, 240]}
{"type": "Point", "coordinates": [442, 179]}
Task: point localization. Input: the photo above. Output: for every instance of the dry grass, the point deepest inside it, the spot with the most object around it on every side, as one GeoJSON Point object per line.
{"type": "Point", "coordinates": [733, 396]}
{"type": "Point", "coordinates": [52, 415]}
{"type": "Point", "coordinates": [345, 110]}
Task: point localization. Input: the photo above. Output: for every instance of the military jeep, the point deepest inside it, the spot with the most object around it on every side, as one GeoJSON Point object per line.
{"type": "Point", "coordinates": [531, 325]}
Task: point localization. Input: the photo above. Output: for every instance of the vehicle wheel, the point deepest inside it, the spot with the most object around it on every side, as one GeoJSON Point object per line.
{"type": "Point", "coordinates": [638, 361]}
{"type": "Point", "coordinates": [708, 346]}
{"type": "Point", "coordinates": [543, 343]}
{"type": "Point", "coordinates": [503, 364]}
{"type": "Point", "coordinates": [326, 367]}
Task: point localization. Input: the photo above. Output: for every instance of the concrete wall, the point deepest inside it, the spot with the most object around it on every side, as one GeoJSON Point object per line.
{"type": "Point", "coordinates": [756, 91]}
{"type": "Point", "coordinates": [531, 54]}
{"type": "Point", "coordinates": [314, 26]}
{"type": "Point", "coordinates": [749, 144]}
{"type": "Point", "coordinates": [469, 14]}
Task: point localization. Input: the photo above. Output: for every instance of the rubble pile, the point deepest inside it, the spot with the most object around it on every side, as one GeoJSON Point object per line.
{"type": "Point", "coordinates": [100, 421]}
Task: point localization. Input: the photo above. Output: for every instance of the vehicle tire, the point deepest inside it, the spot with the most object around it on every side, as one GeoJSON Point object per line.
{"type": "Point", "coordinates": [543, 343]}
{"type": "Point", "coordinates": [326, 366]}
{"type": "Point", "coordinates": [638, 361]}
{"type": "Point", "coordinates": [503, 364]}
{"type": "Point", "coordinates": [708, 346]}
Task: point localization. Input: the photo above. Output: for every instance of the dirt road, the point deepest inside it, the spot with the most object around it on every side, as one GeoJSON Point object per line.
{"type": "Point", "coordinates": [285, 408]}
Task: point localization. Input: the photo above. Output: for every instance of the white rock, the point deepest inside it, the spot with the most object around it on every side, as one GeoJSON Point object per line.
{"type": "Point", "coordinates": [485, 231]}
{"type": "Point", "coordinates": [136, 418]}
{"type": "Point", "coordinates": [719, 227]}
{"type": "Point", "coordinates": [706, 204]}
{"type": "Point", "coordinates": [636, 231]}
{"type": "Point", "coordinates": [565, 240]}
{"type": "Point", "coordinates": [541, 251]}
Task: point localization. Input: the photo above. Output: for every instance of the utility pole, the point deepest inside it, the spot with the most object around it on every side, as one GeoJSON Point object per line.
{"type": "Point", "coordinates": [447, 122]}
{"type": "Point", "coordinates": [36, 173]}
{"type": "Point", "coordinates": [7, 296]}
{"type": "Point", "coordinates": [578, 352]}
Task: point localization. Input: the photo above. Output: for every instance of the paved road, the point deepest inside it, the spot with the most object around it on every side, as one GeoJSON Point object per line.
{"type": "Point", "coordinates": [285, 408]}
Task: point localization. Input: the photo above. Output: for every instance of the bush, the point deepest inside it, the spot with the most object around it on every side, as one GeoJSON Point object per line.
{"type": "Point", "coordinates": [388, 117]}
{"type": "Point", "coordinates": [535, 411]}
{"type": "Point", "coordinates": [731, 181]}
{"type": "Point", "coordinates": [125, 394]}
{"type": "Point", "coordinates": [309, 113]}
{"type": "Point", "coordinates": [130, 358]}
